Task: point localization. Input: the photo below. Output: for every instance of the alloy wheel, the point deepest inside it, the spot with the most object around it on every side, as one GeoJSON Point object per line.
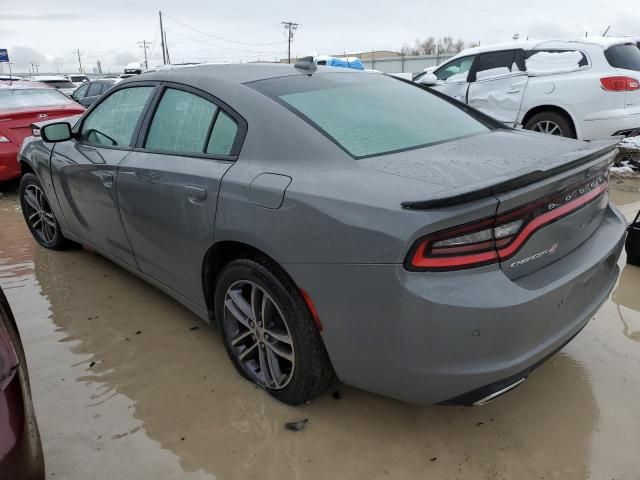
{"type": "Point", "coordinates": [548, 127]}
{"type": "Point", "coordinates": [39, 215]}
{"type": "Point", "coordinates": [258, 335]}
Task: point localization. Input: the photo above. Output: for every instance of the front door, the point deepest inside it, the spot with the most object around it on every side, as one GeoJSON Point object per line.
{"type": "Point", "coordinates": [498, 82]}
{"type": "Point", "coordinates": [168, 187]}
{"type": "Point", "coordinates": [84, 170]}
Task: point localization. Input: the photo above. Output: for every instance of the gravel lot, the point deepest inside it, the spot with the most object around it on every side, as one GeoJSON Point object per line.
{"type": "Point", "coordinates": [130, 385]}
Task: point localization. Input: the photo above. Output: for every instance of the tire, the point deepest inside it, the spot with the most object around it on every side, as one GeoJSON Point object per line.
{"type": "Point", "coordinates": [288, 329]}
{"type": "Point", "coordinates": [38, 215]}
{"type": "Point", "coordinates": [550, 120]}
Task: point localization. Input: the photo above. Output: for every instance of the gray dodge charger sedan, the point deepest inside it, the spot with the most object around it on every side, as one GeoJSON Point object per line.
{"type": "Point", "coordinates": [337, 223]}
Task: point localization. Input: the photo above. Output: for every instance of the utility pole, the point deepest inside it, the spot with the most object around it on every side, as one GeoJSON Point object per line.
{"type": "Point", "coordinates": [164, 56]}
{"type": "Point", "coordinates": [290, 29]}
{"type": "Point", "coordinates": [144, 45]}
{"type": "Point", "coordinates": [37, 65]}
{"type": "Point", "coordinates": [79, 61]}
{"type": "Point", "coordinates": [166, 47]}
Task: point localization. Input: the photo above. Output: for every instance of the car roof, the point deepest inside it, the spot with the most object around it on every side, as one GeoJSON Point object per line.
{"type": "Point", "coordinates": [23, 85]}
{"type": "Point", "coordinates": [46, 78]}
{"type": "Point", "coordinates": [603, 42]}
{"type": "Point", "coordinates": [234, 73]}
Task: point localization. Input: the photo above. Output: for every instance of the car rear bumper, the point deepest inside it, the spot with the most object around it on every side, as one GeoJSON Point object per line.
{"type": "Point", "coordinates": [9, 166]}
{"type": "Point", "coordinates": [606, 124]}
{"type": "Point", "coordinates": [432, 337]}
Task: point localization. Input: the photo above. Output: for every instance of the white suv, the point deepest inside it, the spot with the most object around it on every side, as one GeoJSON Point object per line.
{"type": "Point", "coordinates": [585, 89]}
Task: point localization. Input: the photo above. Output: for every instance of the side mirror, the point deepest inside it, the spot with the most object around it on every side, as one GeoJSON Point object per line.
{"type": "Point", "coordinates": [56, 132]}
{"type": "Point", "coordinates": [428, 79]}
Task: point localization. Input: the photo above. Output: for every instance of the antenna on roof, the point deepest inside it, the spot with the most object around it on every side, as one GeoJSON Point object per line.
{"type": "Point", "coordinates": [606, 31]}
{"type": "Point", "coordinates": [307, 64]}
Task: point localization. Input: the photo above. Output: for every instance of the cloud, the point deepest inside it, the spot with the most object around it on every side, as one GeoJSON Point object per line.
{"type": "Point", "coordinates": [26, 55]}
{"type": "Point", "coordinates": [43, 17]}
{"type": "Point", "coordinates": [121, 58]}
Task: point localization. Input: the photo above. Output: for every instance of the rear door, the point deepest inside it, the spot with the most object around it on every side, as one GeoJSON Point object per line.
{"type": "Point", "coordinates": [453, 78]}
{"type": "Point", "coordinates": [84, 169]}
{"type": "Point", "coordinates": [497, 84]}
{"type": "Point", "coordinates": [168, 187]}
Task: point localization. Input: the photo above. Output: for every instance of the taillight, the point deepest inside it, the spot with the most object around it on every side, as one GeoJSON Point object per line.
{"type": "Point", "coordinates": [619, 83]}
{"type": "Point", "coordinates": [498, 238]}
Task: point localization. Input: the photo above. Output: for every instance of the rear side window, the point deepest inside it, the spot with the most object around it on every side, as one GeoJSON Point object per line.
{"type": "Point", "coordinates": [370, 114]}
{"type": "Point", "coordinates": [114, 120]}
{"type": "Point", "coordinates": [541, 62]}
{"type": "Point", "coordinates": [497, 64]}
{"type": "Point", "coordinates": [181, 123]}
{"type": "Point", "coordinates": [223, 135]}
{"type": "Point", "coordinates": [626, 57]}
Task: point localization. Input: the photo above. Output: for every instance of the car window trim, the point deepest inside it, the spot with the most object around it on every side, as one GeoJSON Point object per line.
{"type": "Point", "coordinates": [78, 127]}
{"type": "Point", "coordinates": [221, 106]}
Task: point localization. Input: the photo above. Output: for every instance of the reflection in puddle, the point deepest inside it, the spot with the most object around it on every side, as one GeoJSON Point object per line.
{"type": "Point", "coordinates": [627, 297]}
{"type": "Point", "coordinates": [124, 389]}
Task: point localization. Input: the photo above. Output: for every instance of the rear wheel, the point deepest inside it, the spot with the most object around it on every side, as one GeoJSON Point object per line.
{"type": "Point", "coordinates": [551, 123]}
{"type": "Point", "coordinates": [38, 214]}
{"type": "Point", "coordinates": [269, 333]}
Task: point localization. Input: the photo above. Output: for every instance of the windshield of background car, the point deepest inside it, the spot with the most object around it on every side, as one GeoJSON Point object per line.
{"type": "Point", "coordinates": [370, 114]}
{"type": "Point", "coordinates": [33, 97]}
{"type": "Point", "coordinates": [624, 56]}
{"type": "Point", "coordinates": [60, 83]}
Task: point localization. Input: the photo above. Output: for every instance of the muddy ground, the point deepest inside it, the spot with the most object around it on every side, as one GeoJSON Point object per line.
{"type": "Point", "coordinates": [126, 387]}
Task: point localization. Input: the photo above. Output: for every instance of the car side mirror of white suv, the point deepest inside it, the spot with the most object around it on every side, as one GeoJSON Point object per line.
{"type": "Point", "coordinates": [428, 79]}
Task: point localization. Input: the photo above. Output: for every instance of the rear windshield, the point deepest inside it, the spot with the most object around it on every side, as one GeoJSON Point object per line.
{"type": "Point", "coordinates": [370, 114]}
{"type": "Point", "coordinates": [59, 83]}
{"type": "Point", "coordinates": [624, 56]}
{"type": "Point", "coordinates": [77, 78]}
{"type": "Point", "coordinates": [36, 97]}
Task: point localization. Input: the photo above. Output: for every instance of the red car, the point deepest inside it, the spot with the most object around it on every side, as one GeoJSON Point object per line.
{"type": "Point", "coordinates": [20, 447]}
{"type": "Point", "coordinates": [21, 104]}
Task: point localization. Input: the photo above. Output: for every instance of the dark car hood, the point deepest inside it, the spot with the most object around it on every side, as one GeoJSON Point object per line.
{"type": "Point", "coordinates": [481, 161]}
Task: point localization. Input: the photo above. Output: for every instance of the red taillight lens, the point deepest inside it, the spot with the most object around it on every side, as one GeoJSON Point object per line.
{"type": "Point", "coordinates": [619, 84]}
{"type": "Point", "coordinates": [494, 239]}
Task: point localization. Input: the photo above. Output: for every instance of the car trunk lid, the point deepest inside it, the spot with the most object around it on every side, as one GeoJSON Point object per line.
{"type": "Point", "coordinates": [16, 124]}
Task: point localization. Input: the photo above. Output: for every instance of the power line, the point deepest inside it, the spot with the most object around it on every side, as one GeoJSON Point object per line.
{"type": "Point", "coordinates": [204, 42]}
{"type": "Point", "coordinates": [220, 38]}
{"type": "Point", "coordinates": [290, 28]}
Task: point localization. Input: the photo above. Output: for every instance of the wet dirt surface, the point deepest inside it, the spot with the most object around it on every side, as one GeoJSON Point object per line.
{"type": "Point", "coordinates": [124, 388]}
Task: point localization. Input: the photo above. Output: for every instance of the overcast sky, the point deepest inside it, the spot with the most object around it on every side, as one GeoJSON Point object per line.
{"type": "Point", "coordinates": [49, 33]}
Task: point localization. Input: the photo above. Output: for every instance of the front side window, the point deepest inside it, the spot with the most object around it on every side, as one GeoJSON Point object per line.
{"type": "Point", "coordinates": [114, 120]}
{"type": "Point", "coordinates": [181, 123]}
{"type": "Point", "coordinates": [80, 92]}
{"type": "Point", "coordinates": [95, 89]}
{"type": "Point", "coordinates": [497, 64]}
{"type": "Point", "coordinates": [371, 114]}
{"type": "Point", "coordinates": [456, 71]}
{"type": "Point", "coordinates": [626, 57]}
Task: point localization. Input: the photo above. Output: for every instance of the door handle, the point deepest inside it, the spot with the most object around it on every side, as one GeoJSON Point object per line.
{"type": "Point", "coordinates": [107, 179]}
{"type": "Point", "coordinates": [514, 90]}
{"type": "Point", "coordinates": [196, 194]}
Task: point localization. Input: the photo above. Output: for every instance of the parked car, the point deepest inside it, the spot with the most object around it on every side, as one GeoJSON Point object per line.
{"type": "Point", "coordinates": [586, 89]}
{"type": "Point", "coordinates": [337, 220]}
{"type": "Point", "coordinates": [55, 81]}
{"type": "Point", "coordinates": [77, 79]}
{"type": "Point", "coordinates": [21, 104]}
{"type": "Point", "coordinates": [89, 92]}
{"type": "Point", "coordinates": [21, 454]}
{"type": "Point", "coordinates": [9, 78]}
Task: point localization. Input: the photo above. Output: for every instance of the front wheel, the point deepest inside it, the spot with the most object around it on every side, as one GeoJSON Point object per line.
{"type": "Point", "coordinates": [38, 214]}
{"type": "Point", "coordinates": [268, 331]}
